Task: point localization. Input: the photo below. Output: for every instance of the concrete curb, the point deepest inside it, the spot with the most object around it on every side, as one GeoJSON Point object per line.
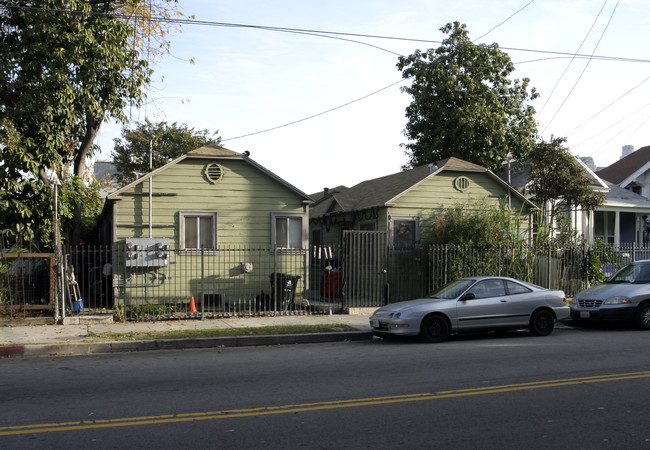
{"type": "Point", "coordinates": [94, 348]}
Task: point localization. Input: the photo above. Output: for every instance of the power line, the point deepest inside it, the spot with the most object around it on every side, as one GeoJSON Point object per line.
{"type": "Point", "coordinates": [572, 59]}
{"type": "Point", "coordinates": [605, 145]}
{"type": "Point", "coordinates": [319, 33]}
{"type": "Point", "coordinates": [347, 37]}
{"type": "Point", "coordinates": [510, 17]}
{"type": "Point", "coordinates": [583, 70]}
{"type": "Point", "coordinates": [314, 115]}
{"type": "Point", "coordinates": [608, 106]}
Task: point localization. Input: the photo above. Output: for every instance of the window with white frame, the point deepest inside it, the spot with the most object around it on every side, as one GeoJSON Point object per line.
{"type": "Point", "coordinates": [198, 230]}
{"type": "Point", "coordinates": [287, 231]}
{"type": "Point", "coordinates": [604, 223]}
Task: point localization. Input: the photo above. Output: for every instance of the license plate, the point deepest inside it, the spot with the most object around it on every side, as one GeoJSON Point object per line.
{"type": "Point", "coordinates": [375, 323]}
{"type": "Point", "coordinates": [584, 314]}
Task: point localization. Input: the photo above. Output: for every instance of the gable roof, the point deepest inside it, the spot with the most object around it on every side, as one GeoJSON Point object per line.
{"type": "Point", "coordinates": [625, 170]}
{"type": "Point", "coordinates": [383, 191]}
{"type": "Point", "coordinates": [211, 151]}
{"type": "Point", "coordinates": [520, 177]}
{"type": "Point", "coordinates": [623, 199]}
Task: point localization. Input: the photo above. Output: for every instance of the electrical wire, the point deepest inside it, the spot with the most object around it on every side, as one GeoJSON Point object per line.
{"type": "Point", "coordinates": [583, 70]}
{"type": "Point", "coordinates": [323, 33]}
{"type": "Point", "coordinates": [605, 145]}
{"type": "Point", "coordinates": [608, 106]}
{"type": "Point", "coordinates": [510, 17]}
{"type": "Point", "coordinates": [314, 115]}
{"type": "Point", "coordinates": [572, 59]}
{"type": "Point", "coordinates": [347, 37]}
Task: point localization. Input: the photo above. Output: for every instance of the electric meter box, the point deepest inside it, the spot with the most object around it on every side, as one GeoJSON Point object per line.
{"type": "Point", "coordinates": [147, 252]}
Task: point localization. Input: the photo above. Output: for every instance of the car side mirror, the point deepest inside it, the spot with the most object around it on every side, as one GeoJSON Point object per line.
{"type": "Point", "coordinates": [468, 296]}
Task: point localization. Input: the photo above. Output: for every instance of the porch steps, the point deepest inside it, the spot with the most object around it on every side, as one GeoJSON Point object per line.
{"type": "Point", "coordinates": [87, 319]}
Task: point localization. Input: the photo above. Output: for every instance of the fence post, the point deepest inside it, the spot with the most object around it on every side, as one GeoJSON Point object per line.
{"type": "Point", "coordinates": [124, 277]}
{"type": "Point", "coordinates": [500, 256]}
{"type": "Point", "coordinates": [202, 285]}
{"type": "Point", "coordinates": [587, 263]}
{"type": "Point", "coordinates": [446, 259]}
{"type": "Point", "coordinates": [548, 272]}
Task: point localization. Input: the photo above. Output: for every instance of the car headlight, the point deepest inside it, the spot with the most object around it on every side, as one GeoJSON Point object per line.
{"type": "Point", "coordinates": [574, 301]}
{"type": "Point", "coordinates": [396, 315]}
{"type": "Point", "coordinates": [617, 301]}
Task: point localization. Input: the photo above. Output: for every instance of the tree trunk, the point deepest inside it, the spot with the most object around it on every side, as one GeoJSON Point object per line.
{"type": "Point", "coordinates": [92, 128]}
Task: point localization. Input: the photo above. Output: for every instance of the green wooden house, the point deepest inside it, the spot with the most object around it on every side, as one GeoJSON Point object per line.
{"type": "Point", "coordinates": [397, 204]}
{"type": "Point", "coordinates": [213, 226]}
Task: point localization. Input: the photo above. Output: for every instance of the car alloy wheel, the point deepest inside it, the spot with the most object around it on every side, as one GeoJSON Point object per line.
{"type": "Point", "coordinates": [643, 317]}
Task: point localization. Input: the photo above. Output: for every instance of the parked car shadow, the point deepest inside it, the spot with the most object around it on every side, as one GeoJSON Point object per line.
{"type": "Point", "coordinates": [461, 337]}
{"type": "Point", "coordinates": [602, 325]}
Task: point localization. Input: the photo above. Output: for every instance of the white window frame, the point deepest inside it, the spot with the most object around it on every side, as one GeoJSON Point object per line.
{"type": "Point", "coordinates": [304, 238]}
{"type": "Point", "coordinates": [182, 215]}
{"type": "Point", "coordinates": [607, 235]}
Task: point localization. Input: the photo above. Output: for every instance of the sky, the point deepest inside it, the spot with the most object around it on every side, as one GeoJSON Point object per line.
{"type": "Point", "coordinates": [333, 104]}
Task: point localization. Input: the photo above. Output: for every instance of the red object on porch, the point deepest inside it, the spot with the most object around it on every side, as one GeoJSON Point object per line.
{"type": "Point", "coordinates": [330, 285]}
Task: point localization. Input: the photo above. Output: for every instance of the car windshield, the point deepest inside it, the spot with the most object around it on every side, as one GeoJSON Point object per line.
{"type": "Point", "coordinates": [453, 289]}
{"type": "Point", "coordinates": [638, 273]}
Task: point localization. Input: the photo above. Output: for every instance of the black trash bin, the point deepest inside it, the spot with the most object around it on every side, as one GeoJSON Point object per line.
{"type": "Point", "coordinates": [284, 290]}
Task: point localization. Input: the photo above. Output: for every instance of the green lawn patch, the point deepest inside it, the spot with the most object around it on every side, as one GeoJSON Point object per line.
{"type": "Point", "coordinates": [219, 332]}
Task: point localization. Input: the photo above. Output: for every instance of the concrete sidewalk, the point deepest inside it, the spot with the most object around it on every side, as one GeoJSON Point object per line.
{"type": "Point", "coordinates": [38, 339]}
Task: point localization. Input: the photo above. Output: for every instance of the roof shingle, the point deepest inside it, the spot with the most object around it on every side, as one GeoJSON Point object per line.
{"type": "Point", "coordinates": [623, 168]}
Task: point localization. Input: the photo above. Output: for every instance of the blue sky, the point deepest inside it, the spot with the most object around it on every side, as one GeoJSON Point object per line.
{"type": "Point", "coordinates": [247, 80]}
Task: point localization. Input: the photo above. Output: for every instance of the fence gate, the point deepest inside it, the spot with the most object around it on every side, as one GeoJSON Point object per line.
{"type": "Point", "coordinates": [365, 268]}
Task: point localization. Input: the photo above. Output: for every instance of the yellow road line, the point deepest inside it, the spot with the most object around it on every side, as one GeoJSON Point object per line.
{"type": "Point", "coordinates": [305, 407]}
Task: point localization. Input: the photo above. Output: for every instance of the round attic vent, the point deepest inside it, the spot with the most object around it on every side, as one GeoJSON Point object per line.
{"type": "Point", "coordinates": [461, 183]}
{"type": "Point", "coordinates": [214, 172]}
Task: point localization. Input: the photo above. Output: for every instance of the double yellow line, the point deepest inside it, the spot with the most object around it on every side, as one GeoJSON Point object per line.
{"type": "Point", "coordinates": [305, 407]}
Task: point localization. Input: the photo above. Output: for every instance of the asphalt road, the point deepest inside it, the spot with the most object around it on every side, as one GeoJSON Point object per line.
{"type": "Point", "coordinates": [577, 388]}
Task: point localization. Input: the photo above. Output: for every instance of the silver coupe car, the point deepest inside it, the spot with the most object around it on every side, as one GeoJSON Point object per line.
{"type": "Point", "coordinates": [473, 304]}
{"type": "Point", "coordinates": [624, 297]}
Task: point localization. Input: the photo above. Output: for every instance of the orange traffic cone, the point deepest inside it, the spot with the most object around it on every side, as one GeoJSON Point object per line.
{"type": "Point", "coordinates": [192, 305]}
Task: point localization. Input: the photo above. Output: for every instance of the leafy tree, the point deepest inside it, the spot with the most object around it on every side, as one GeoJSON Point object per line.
{"type": "Point", "coordinates": [465, 104]}
{"type": "Point", "coordinates": [557, 181]}
{"type": "Point", "coordinates": [166, 142]}
{"type": "Point", "coordinates": [65, 67]}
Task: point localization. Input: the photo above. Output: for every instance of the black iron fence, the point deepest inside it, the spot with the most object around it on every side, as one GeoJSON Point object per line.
{"type": "Point", "coordinates": [151, 281]}
{"type": "Point", "coordinates": [158, 282]}
{"type": "Point", "coordinates": [27, 283]}
{"type": "Point", "coordinates": [415, 272]}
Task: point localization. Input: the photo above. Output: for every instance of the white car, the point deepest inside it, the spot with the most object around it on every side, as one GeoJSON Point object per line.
{"type": "Point", "coordinates": [473, 304]}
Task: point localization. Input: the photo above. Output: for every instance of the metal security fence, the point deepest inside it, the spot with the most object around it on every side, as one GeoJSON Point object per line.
{"type": "Point", "coordinates": [149, 281]}
{"type": "Point", "coordinates": [415, 272]}
{"type": "Point", "coordinates": [27, 282]}
{"type": "Point", "coordinates": [399, 274]}
{"type": "Point", "coordinates": [163, 283]}
{"type": "Point", "coordinates": [91, 268]}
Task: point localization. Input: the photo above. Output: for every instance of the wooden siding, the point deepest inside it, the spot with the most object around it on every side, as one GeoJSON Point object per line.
{"type": "Point", "coordinates": [437, 193]}
{"type": "Point", "coordinates": [243, 200]}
